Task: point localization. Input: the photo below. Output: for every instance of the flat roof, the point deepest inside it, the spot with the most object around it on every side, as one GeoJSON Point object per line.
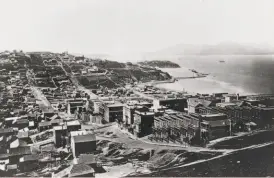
{"type": "Point", "coordinates": [46, 123]}
{"type": "Point", "coordinates": [84, 138]}
{"type": "Point", "coordinates": [144, 113]}
{"type": "Point", "coordinates": [60, 127]}
{"type": "Point", "coordinates": [81, 132]}
{"type": "Point", "coordinates": [213, 115]}
{"type": "Point", "coordinates": [74, 122]}
{"type": "Point", "coordinates": [226, 104]}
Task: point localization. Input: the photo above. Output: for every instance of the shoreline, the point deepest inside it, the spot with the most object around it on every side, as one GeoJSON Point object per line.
{"type": "Point", "coordinates": [199, 85]}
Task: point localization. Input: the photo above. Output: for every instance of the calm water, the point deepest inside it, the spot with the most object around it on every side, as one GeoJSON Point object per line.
{"type": "Point", "coordinates": [238, 74]}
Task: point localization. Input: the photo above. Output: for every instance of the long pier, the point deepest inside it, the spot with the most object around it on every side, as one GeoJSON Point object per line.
{"type": "Point", "coordinates": [181, 78]}
{"type": "Point", "coordinates": [174, 79]}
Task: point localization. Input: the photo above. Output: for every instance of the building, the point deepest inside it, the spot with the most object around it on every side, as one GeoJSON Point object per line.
{"type": "Point", "coordinates": [130, 107]}
{"type": "Point", "coordinates": [195, 103]}
{"type": "Point", "coordinates": [143, 122]}
{"type": "Point", "coordinates": [59, 135]}
{"type": "Point", "coordinates": [6, 132]}
{"type": "Point", "coordinates": [176, 127]}
{"type": "Point", "coordinates": [82, 142]}
{"type": "Point", "coordinates": [42, 126]}
{"type": "Point", "coordinates": [11, 168]}
{"type": "Point", "coordinates": [113, 111]}
{"type": "Point", "coordinates": [56, 122]}
{"type": "Point", "coordinates": [178, 104]}
{"type": "Point", "coordinates": [23, 136]}
{"type": "Point", "coordinates": [96, 118]}
{"type": "Point", "coordinates": [215, 126]}
{"type": "Point", "coordinates": [231, 97]}
{"type": "Point", "coordinates": [18, 143]}
{"type": "Point", "coordinates": [21, 123]}
{"type": "Point", "coordinates": [48, 113]}
{"type": "Point", "coordinates": [76, 105]}
{"type": "Point", "coordinates": [28, 162]}
{"type": "Point", "coordinates": [73, 125]}
{"type": "Point", "coordinates": [16, 153]}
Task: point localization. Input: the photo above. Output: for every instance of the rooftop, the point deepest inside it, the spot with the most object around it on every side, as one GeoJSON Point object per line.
{"type": "Point", "coordinates": [144, 113]}
{"type": "Point", "coordinates": [23, 134]}
{"type": "Point", "coordinates": [22, 121]}
{"type": "Point", "coordinates": [32, 157]}
{"type": "Point", "coordinates": [86, 159]}
{"type": "Point", "coordinates": [60, 127]}
{"type": "Point", "coordinates": [115, 104]}
{"type": "Point", "coordinates": [6, 130]}
{"type": "Point", "coordinates": [56, 121]}
{"type": "Point", "coordinates": [43, 124]}
{"type": "Point", "coordinates": [81, 132]}
{"type": "Point", "coordinates": [11, 166]}
{"type": "Point", "coordinates": [26, 150]}
{"type": "Point", "coordinates": [213, 115]}
{"type": "Point", "coordinates": [84, 138]}
{"type": "Point", "coordinates": [74, 122]}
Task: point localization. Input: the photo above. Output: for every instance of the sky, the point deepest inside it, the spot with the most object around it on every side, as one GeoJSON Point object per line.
{"type": "Point", "coordinates": [131, 26]}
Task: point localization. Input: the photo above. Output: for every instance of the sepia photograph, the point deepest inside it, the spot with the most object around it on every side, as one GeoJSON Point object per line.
{"type": "Point", "coordinates": [136, 88]}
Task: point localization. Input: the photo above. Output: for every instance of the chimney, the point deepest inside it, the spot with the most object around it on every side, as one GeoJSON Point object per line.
{"type": "Point", "coordinates": [238, 96]}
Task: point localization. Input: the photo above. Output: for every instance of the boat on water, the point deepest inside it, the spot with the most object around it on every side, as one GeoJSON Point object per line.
{"type": "Point", "coordinates": [192, 70]}
{"type": "Point", "coordinates": [221, 61]}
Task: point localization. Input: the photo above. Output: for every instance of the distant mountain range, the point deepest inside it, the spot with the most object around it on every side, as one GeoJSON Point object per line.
{"type": "Point", "coordinates": [219, 49]}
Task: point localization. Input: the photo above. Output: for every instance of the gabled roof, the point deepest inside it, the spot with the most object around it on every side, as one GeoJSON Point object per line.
{"type": "Point", "coordinates": [194, 102]}
{"type": "Point", "coordinates": [199, 101]}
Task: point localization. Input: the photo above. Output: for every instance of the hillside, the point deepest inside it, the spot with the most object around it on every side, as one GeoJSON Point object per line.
{"type": "Point", "coordinates": [160, 64]}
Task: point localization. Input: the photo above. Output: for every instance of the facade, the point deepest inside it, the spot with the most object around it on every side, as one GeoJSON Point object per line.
{"type": "Point", "coordinates": [178, 104]}
{"type": "Point", "coordinates": [215, 126]}
{"type": "Point", "coordinates": [113, 112]}
{"type": "Point", "coordinates": [143, 123]}
{"type": "Point", "coordinates": [59, 135]}
{"type": "Point", "coordinates": [77, 105]}
{"type": "Point", "coordinates": [176, 127]}
{"type": "Point", "coordinates": [28, 163]}
{"type": "Point", "coordinates": [42, 126]}
{"type": "Point", "coordinates": [83, 144]}
{"type": "Point", "coordinates": [73, 125]}
{"type": "Point", "coordinates": [96, 118]}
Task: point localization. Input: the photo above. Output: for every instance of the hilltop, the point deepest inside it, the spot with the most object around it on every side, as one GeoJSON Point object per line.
{"type": "Point", "coordinates": [160, 64]}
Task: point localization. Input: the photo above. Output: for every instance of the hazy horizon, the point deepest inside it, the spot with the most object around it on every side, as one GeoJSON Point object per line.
{"type": "Point", "coordinates": [121, 27]}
